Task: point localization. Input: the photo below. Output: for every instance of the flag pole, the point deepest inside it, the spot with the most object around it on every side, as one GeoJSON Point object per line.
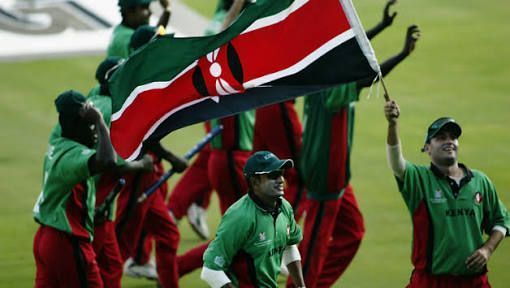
{"type": "Point", "coordinates": [386, 94]}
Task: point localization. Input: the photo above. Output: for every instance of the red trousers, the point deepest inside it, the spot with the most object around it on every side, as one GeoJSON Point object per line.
{"type": "Point", "coordinates": [332, 235]}
{"type": "Point", "coordinates": [108, 254]}
{"type": "Point", "coordinates": [422, 279]}
{"type": "Point", "coordinates": [63, 260]}
{"type": "Point", "coordinates": [193, 187]}
{"type": "Point", "coordinates": [152, 217]}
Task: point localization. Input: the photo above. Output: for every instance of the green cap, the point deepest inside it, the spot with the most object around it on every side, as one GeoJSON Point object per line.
{"type": "Point", "coordinates": [142, 35]}
{"type": "Point", "coordinates": [69, 103]}
{"type": "Point", "coordinates": [107, 67]}
{"type": "Point", "coordinates": [133, 3]}
{"type": "Point", "coordinates": [263, 162]}
{"type": "Point", "coordinates": [442, 124]}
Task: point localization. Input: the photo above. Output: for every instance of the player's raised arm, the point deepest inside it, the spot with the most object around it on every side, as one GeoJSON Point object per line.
{"type": "Point", "coordinates": [394, 151]}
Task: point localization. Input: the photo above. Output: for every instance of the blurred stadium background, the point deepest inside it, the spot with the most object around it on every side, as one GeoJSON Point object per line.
{"type": "Point", "coordinates": [460, 69]}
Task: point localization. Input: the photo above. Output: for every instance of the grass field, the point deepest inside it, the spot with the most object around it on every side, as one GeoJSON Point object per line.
{"type": "Point", "coordinates": [460, 68]}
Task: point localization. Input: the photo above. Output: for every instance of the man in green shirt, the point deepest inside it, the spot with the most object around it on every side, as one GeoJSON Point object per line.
{"type": "Point", "coordinates": [65, 207]}
{"type": "Point", "coordinates": [135, 13]}
{"type": "Point", "coordinates": [258, 229]}
{"type": "Point", "coordinates": [450, 205]}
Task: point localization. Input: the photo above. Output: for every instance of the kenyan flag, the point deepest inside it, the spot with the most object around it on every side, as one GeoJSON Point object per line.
{"type": "Point", "coordinates": [275, 50]}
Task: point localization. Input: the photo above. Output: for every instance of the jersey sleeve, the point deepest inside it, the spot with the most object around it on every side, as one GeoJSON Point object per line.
{"type": "Point", "coordinates": [230, 237]}
{"type": "Point", "coordinates": [410, 187]}
{"type": "Point", "coordinates": [295, 234]}
{"type": "Point", "coordinates": [340, 96]}
{"type": "Point", "coordinates": [494, 209]}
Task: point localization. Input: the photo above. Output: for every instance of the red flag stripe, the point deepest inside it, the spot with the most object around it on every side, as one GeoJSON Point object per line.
{"type": "Point", "coordinates": [261, 64]}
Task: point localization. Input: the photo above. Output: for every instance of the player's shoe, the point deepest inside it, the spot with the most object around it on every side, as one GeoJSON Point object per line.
{"type": "Point", "coordinates": [147, 270]}
{"type": "Point", "coordinates": [197, 218]}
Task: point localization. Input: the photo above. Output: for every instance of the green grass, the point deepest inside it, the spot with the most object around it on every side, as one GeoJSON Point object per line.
{"type": "Point", "coordinates": [459, 69]}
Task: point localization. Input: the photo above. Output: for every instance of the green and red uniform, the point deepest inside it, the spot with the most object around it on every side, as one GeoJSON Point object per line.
{"type": "Point", "coordinates": [65, 209]}
{"type": "Point", "coordinates": [119, 43]}
{"type": "Point", "coordinates": [278, 129]}
{"type": "Point", "coordinates": [105, 242]}
{"type": "Point", "coordinates": [451, 218]}
{"type": "Point", "coordinates": [333, 225]}
{"type": "Point", "coordinates": [249, 231]}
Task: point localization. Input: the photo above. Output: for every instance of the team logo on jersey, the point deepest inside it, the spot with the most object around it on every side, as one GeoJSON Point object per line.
{"type": "Point", "coordinates": [478, 198]}
{"type": "Point", "coordinates": [262, 240]}
{"type": "Point", "coordinates": [262, 236]}
{"type": "Point", "coordinates": [438, 197]}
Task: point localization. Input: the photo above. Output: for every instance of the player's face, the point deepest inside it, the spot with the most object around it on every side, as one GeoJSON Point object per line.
{"type": "Point", "coordinates": [141, 15]}
{"type": "Point", "coordinates": [442, 149]}
{"type": "Point", "coordinates": [270, 184]}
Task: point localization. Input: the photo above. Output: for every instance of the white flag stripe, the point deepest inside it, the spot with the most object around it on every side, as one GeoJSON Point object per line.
{"type": "Point", "coordinates": [162, 119]}
{"type": "Point", "coordinates": [309, 59]}
{"type": "Point", "coordinates": [361, 36]}
{"type": "Point", "coordinates": [273, 19]}
{"type": "Point", "coordinates": [149, 86]}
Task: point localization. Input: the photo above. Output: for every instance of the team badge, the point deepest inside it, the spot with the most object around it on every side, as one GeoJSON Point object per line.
{"type": "Point", "coordinates": [478, 198]}
{"type": "Point", "coordinates": [262, 236]}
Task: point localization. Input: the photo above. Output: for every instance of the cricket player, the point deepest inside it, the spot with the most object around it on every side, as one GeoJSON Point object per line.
{"type": "Point", "coordinates": [259, 227]}
{"type": "Point", "coordinates": [451, 207]}
{"type": "Point", "coordinates": [135, 13]}
{"type": "Point", "coordinates": [63, 249]}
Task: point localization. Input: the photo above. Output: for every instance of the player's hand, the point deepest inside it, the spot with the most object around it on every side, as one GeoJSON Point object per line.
{"type": "Point", "coordinates": [412, 36]}
{"type": "Point", "coordinates": [179, 164]}
{"type": "Point", "coordinates": [478, 259]}
{"type": "Point", "coordinates": [147, 163]}
{"type": "Point", "coordinates": [387, 17]}
{"type": "Point", "coordinates": [165, 4]}
{"type": "Point", "coordinates": [90, 113]}
{"type": "Point", "coordinates": [391, 111]}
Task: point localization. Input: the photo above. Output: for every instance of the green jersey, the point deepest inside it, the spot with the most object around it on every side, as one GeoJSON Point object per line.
{"type": "Point", "coordinates": [237, 133]}
{"type": "Point", "coordinates": [119, 43]}
{"type": "Point", "coordinates": [327, 139]}
{"type": "Point", "coordinates": [67, 198]}
{"type": "Point", "coordinates": [449, 218]}
{"type": "Point", "coordinates": [261, 235]}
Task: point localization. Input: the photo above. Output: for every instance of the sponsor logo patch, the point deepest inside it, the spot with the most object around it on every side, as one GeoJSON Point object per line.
{"type": "Point", "coordinates": [219, 260]}
{"type": "Point", "coordinates": [438, 197]}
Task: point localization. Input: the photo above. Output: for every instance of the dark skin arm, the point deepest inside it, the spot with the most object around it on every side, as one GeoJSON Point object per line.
{"type": "Point", "coordinates": [105, 157]}
{"type": "Point", "coordinates": [296, 273]}
{"type": "Point", "coordinates": [386, 21]}
{"type": "Point", "coordinates": [178, 164]}
{"type": "Point", "coordinates": [143, 165]}
{"type": "Point", "coordinates": [167, 12]}
{"type": "Point", "coordinates": [233, 12]}
{"type": "Point", "coordinates": [412, 36]}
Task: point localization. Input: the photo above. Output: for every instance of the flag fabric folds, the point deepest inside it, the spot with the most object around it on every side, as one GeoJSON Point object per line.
{"type": "Point", "coordinates": [274, 51]}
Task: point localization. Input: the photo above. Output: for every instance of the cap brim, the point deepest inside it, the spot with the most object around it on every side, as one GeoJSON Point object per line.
{"type": "Point", "coordinates": [278, 165]}
{"type": "Point", "coordinates": [450, 126]}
